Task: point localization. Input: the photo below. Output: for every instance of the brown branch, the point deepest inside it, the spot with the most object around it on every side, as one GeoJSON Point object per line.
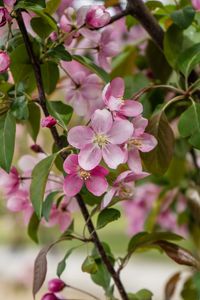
{"type": "Point", "coordinates": [54, 132]}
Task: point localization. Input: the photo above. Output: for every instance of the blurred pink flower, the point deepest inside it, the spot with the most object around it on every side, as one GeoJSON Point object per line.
{"type": "Point", "coordinates": [94, 179]}
{"type": "Point", "coordinates": [101, 139]}
{"type": "Point", "coordinates": [48, 122]}
{"type": "Point", "coordinates": [113, 98]}
{"type": "Point", "coordinates": [9, 182]}
{"type": "Point", "coordinates": [4, 61]}
{"type": "Point", "coordinates": [196, 4]}
{"type": "Point", "coordinates": [97, 16]}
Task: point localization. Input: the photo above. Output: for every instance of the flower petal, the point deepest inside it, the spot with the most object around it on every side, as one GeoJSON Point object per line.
{"type": "Point", "coordinates": [108, 197]}
{"type": "Point", "coordinates": [72, 185]}
{"type": "Point", "coordinates": [71, 164]}
{"type": "Point", "coordinates": [117, 87]}
{"type": "Point", "coordinates": [89, 157]}
{"type": "Point", "coordinates": [80, 136]}
{"type": "Point", "coordinates": [101, 121]}
{"type": "Point", "coordinates": [99, 171]}
{"type": "Point", "coordinates": [113, 155]}
{"type": "Point", "coordinates": [139, 124]}
{"type": "Point", "coordinates": [97, 185]}
{"type": "Point", "coordinates": [120, 132]}
{"type": "Point", "coordinates": [148, 142]}
{"type": "Point", "coordinates": [134, 160]}
{"type": "Point", "coordinates": [131, 108]}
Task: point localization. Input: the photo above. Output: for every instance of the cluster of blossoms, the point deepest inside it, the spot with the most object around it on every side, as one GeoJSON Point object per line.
{"type": "Point", "coordinates": [16, 189]}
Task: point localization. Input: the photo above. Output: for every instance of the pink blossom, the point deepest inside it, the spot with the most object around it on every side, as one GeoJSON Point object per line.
{"type": "Point", "coordinates": [9, 2]}
{"type": "Point", "coordinates": [101, 139]}
{"type": "Point", "coordinates": [139, 141]}
{"type": "Point", "coordinates": [4, 16]}
{"type": "Point", "coordinates": [9, 182]}
{"type": "Point", "coordinates": [48, 122]}
{"type": "Point", "coordinates": [64, 5]}
{"type": "Point", "coordinates": [83, 90]}
{"type": "Point", "coordinates": [4, 61]}
{"type": "Point", "coordinates": [113, 98]}
{"type": "Point", "coordinates": [97, 16]}
{"type": "Point", "coordinates": [56, 285]}
{"type": "Point", "coordinates": [196, 4]}
{"type": "Point", "coordinates": [123, 187]}
{"type": "Point", "coordinates": [94, 179]}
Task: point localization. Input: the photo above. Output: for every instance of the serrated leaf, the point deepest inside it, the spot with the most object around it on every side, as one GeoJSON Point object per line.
{"type": "Point", "coordinates": [7, 140]}
{"type": "Point", "coordinates": [33, 228]}
{"type": "Point", "coordinates": [107, 216]}
{"type": "Point", "coordinates": [91, 66]}
{"type": "Point", "coordinates": [158, 160]}
{"type": "Point", "coordinates": [40, 175]}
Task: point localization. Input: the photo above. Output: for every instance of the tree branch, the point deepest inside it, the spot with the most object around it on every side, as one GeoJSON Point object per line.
{"type": "Point", "coordinates": [54, 132]}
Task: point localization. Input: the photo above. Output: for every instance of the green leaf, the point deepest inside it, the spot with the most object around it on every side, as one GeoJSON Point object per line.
{"type": "Point", "coordinates": [46, 207]}
{"type": "Point", "coordinates": [19, 108]}
{"type": "Point", "coordinates": [52, 6]}
{"type": "Point", "coordinates": [144, 239]}
{"type": "Point", "coordinates": [60, 111]}
{"type": "Point", "coordinates": [50, 76]}
{"type": "Point", "coordinates": [173, 42]}
{"type": "Point", "coordinates": [62, 264]}
{"type": "Point", "coordinates": [89, 265]}
{"type": "Point", "coordinates": [102, 276]}
{"type": "Point", "coordinates": [41, 27]}
{"type": "Point", "coordinates": [30, 4]}
{"type": "Point", "coordinates": [141, 295]}
{"type": "Point", "coordinates": [189, 290]}
{"type": "Point", "coordinates": [7, 140]}
{"type": "Point", "coordinates": [106, 216]}
{"type": "Point", "coordinates": [158, 160]}
{"type": "Point", "coordinates": [189, 124]}
{"type": "Point", "coordinates": [38, 184]}
{"type": "Point", "coordinates": [33, 227]}
{"type": "Point", "coordinates": [33, 121]}
{"type": "Point", "coordinates": [188, 59]}
{"type": "Point", "coordinates": [91, 66]}
{"type": "Point", "coordinates": [184, 17]}
{"type": "Point", "coordinates": [59, 53]}
{"type": "Point", "coordinates": [124, 63]}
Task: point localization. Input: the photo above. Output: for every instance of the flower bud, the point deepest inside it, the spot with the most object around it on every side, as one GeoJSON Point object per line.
{"type": "Point", "coordinates": [97, 16]}
{"type": "Point", "coordinates": [50, 296]}
{"type": "Point", "coordinates": [56, 285]}
{"type": "Point", "coordinates": [53, 36]}
{"type": "Point", "coordinates": [48, 122]}
{"type": "Point", "coordinates": [196, 4]}
{"type": "Point", "coordinates": [37, 149]}
{"type": "Point", "coordinates": [4, 16]}
{"type": "Point", "coordinates": [4, 61]}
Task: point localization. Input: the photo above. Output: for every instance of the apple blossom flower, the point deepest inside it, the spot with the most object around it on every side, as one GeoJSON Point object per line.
{"type": "Point", "coordinates": [48, 122]}
{"type": "Point", "coordinates": [4, 16]}
{"type": "Point", "coordinates": [97, 16]}
{"type": "Point", "coordinates": [113, 98]}
{"type": "Point", "coordinates": [123, 187]}
{"type": "Point", "coordinates": [139, 141]}
{"type": "Point", "coordinates": [94, 179]}
{"type": "Point", "coordinates": [196, 4]}
{"type": "Point", "coordinates": [100, 140]}
{"type": "Point", "coordinates": [4, 61]}
{"type": "Point", "coordinates": [50, 296]}
{"type": "Point", "coordinates": [56, 285]}
{"type": "Point", "coordinates": [9, 182]}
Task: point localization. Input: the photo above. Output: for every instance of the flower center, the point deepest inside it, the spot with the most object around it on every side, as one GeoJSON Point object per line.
{"type": "Point", "coordinates": [85, 175]}
{"type": "Point", "coordinates": [134, 142]}
{"type": "Point", "coordinates": [100, 140]}
{"type": "Point", "coordinates": [126, 191]}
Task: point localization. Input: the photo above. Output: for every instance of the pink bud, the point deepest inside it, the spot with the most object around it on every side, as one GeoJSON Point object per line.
{"type": "Point", "coordinates": [48, 122]}
{"type": "Point", "coordinates": [37, 149]}
{"type": "Point", "coordinates": [56, 285]}
{"type": "Point", "coordinates": [4, 61]}
{"type": "Point", "coordinates": [53, 36]}
{"type": "Point", "coordinates": [97, 16]}
{"type": "Point", "coordinates": [4, 16]}
{"type": "Point", "coordinates": [9, 2]}
{"type": "Point", "coordinates": [196, 4]}
{"type": "Point", "coordinates": [49, 296]}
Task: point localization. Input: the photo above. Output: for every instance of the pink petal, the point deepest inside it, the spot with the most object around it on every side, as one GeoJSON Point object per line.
{"type": "Point", "coordinates": [80, 136]}
{"type": "Point", "coordinates": [148, 142]}
{"type": "Point", "coordinates": [89, 157]}
{"type": "Point", "coordinates": [120, 132]}
{"type": "Point", "coordinates": [92, 35]}
{"type": "Point", "coordinates": [108, 197]}
{"type": "Point", "coordinates": [103, 61]}
{"type": "Point", "coordinates": [113, 155]}
{"type": "Point", "coordinates": [71, 164]}
{"type": "Point", "coordinates": [99, 171]}
{"type": "Point", "coordinates": [131, 108]}
{"type": "Point", "coordinates": [139, 124]}
{"type": "Point", "coordinates": [97, 185]}
{"type": "Point", "coordinates": [134, 160]}
{"type": "Point", "coordinates": [101, 121]}
{"type": "Point", "coordinates": [64, 220]}
{"type": "Point", "coordinates": [72, 185]}
{"type": "Point", "coordinates": [117, 87]}
{"type": "Point", "coordinates": [81, 15]}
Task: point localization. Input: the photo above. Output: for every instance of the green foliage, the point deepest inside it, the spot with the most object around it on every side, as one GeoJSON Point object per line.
{"type": "Point", "coordinates": [62, 264]}
{"type": "Point", "coordinates": [39, 179]}
{"type": "Point", "coordinates": [31, 4]}
{"type": "Point", "coordinates": [19, 108]}
{"type": "Point", "coordinates": [188, 59]}
{"type": "Point", "coordinates": [7, 138]}
{"type": "Point", "coordinates": [41, 27]}
{"type": "Point", "coordinates": [141, 295]}
{"type": "Point", "coordinates": [52, 6]}
{"type": "Point", "coordinates": [47, 204]}
{"type": "Point", "coordinates": [184, 17]}
{"type": "Point", "coordinates": [59, 53]}
{"type": "Point", "coordinates": [124, 63]}
{"type": "Point", "coordinates": [189, 124]}
{"type": "Point", "coordinates": [33, 227]}
{"type": "Point", "coordinates": [106, 216]}
{"type": "Point", "coordinates": [33, 122]}
{"type": "Point", "coordinates": [50, 76]}
{"type": "Point", "coordinates": [61, 112]}
{"type": "Point", "coordinates": [157, 161]}
{"type": "Point", "coordinates": [89, 265]}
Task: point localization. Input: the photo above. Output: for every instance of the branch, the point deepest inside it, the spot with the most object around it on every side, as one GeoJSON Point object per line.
{"type": "Point", "coordinates": [54, 132]}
